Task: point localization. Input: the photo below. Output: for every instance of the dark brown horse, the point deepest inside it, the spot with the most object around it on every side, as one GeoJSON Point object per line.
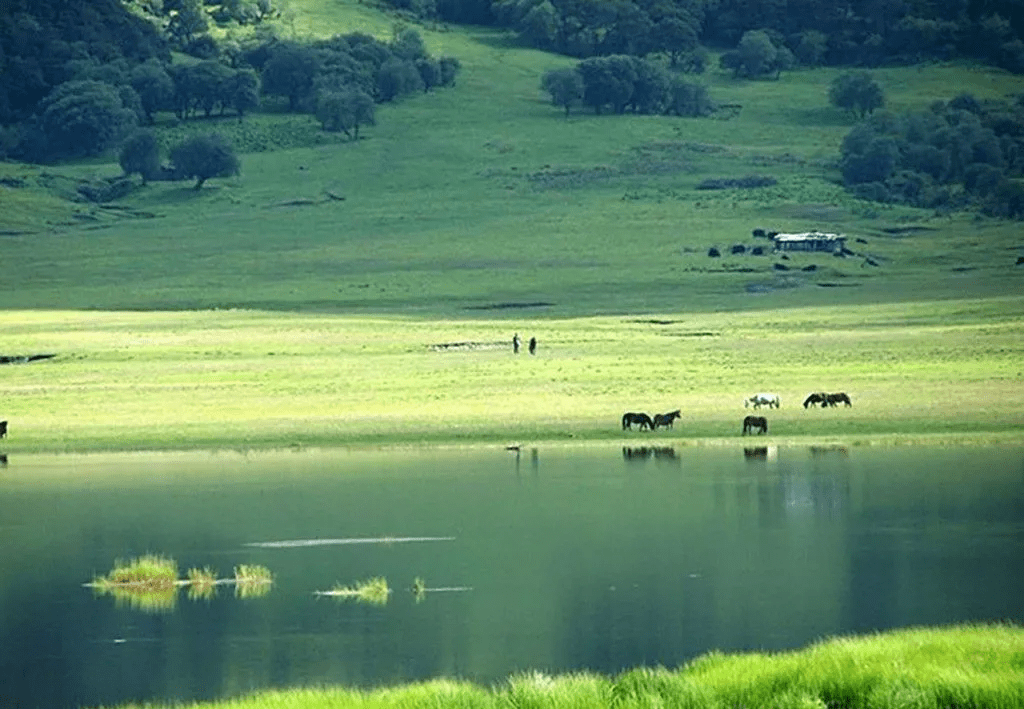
{"type": "Point", "coordinates": [628, 419]}
{"type": "Point", "coordinates": [665, 419]}
{"type": "Point", "coordinates": [752, 422]}
{"type": "Point", "coordinates": [816, 398]}
{"type": "Point", "coordinates": [839, 398]}
{"type": "Point", "coordinates": [3, 429]}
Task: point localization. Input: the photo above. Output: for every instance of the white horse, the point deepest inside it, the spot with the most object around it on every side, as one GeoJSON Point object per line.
{"type": "Point", "coordinates": [772, 401]}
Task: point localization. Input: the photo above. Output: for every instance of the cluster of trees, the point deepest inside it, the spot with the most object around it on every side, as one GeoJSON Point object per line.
{"type": "Point", "coordinates": [71, 87]}
{"type": "Point", "coordinates": [833, 32]}
{"type": "Point", "coordinates": [958, 153]}
{"type": "Point", "coordinates": [200, 157]}
{"type": "Point", "coordinates": [625, 83]}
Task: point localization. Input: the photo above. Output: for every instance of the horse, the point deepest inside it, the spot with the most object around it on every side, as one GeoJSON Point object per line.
{"type": "Point", "coordinates": [665, 419]}
{"type": "Point", "coordinates": [772, 401]}
{"type": "Point", "coordinates": [816, 398]}
{"type": "Point", "coordinates": [628, 419]}
{"type": "Point", "coordinates": [841, 397]}
{"type": "Point", "coordinates": [752, 422]}
{"type": "Point", "coordinates": [3, 429]}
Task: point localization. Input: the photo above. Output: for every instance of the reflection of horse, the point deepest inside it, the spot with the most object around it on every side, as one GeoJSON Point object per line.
{"type": "Point", "coordinates": [840, 398]}
{"type": "Point", "coordinates": [759, 453]}
{"type": "Point", "coordinates": [646, 452]}
{"type": "Point", "coordinates": [817, 451]}
{"type": "Point", "coordinates": [665, 419]}
{"type": "Point", "coordinates": [816, 398]}
{"type": "Point", "coordinates": [752, 422]}
{"type": "Point", "coordinates": [628, 419]}
{"type": "Point", "coordinates": [772, 401]}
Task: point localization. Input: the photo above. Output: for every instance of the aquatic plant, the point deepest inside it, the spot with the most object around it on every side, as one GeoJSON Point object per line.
{"type": "Point", "coordinates": [419, 588]}
{"type": "Point", "coordinates": [202, 583]}
{"type": "Point", "coordinates": [252, 581]}
{"type": "Point", "coordinates": [150, 571]}
{"type": "Point", "coordinates": [375, 591]}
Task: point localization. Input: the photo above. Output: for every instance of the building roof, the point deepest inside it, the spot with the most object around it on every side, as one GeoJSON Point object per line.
{"type": "Point", "coordinates": [809, 236]}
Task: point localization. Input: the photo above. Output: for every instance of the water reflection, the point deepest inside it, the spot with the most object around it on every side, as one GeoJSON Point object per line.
{"type": "Point", "coordinates": [642, 453]}
{"type": "Point", "coordinates": [3, 460]}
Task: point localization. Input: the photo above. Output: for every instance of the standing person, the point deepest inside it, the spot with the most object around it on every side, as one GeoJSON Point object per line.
{"type": "Point", "coordinates": [533, 345]}
{"type": "Point", "coordinates": [515, 343]}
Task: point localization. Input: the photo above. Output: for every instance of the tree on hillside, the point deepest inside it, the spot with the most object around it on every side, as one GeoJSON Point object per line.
{"type": "Point", "coordinates": [154, 86]}
{"type": "Point", "coordinates": [857, 92]}
{"type": "Point", "coordinates": [84, 118]}
{"type": "Point", "coordinates": [345, 110]}
{"type": "Point", "coordinates": [290, 72]}
{"type": "Point", "coordinates": [565, 85]}
{"type": "Point", "coordinates": [203, 157]}
{"type": "Point", "coordinates": [140, 154]}
{"type": "Point", "coordinates": [757, 55]}
{"type": "Point", "coordinates": [241, 91]}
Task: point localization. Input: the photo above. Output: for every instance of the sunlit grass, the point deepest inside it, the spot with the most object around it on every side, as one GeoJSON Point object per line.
{"type": "Point", "coordinates": [138, 381]}
{"type": "Point", "coordinates": [151, 571]}
{"type": "Point", "coordinates": [959, 666]}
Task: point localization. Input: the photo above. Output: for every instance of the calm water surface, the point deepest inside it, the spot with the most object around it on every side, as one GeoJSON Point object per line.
{"type": "Point", "coordinates": [574, 559]}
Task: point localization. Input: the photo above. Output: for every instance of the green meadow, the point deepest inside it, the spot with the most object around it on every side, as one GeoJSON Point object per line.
{"type": "Point", "coordinates": [960, 666]}
{"type": "Point", "coordinates": [247, 379]}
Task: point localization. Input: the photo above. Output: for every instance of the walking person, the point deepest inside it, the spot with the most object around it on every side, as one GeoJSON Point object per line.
{"type": "Point", "coordinates": [533, 345]}
{"type": "Point", "coordinates": [515, 343]}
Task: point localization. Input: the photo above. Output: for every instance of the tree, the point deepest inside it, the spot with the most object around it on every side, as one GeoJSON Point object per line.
{"type": "Point", "coordinates": [188, 21]}
{"type": "Point", "coordinates": [84, 118]}
{"type": "Point", "coordinates": [397, 77]}
{"type": "Point", "coordinates": [757, 55]}
{"type": "Point", "coordinates": [565, 85]}
{"type": "Point", "coordinates": [290, 72]}
{"type": "Point", "coordinates": [203, 157]}
{"type": "Point", "coordinates": [345, 110]}
{"type": "Point", "coordinates": [154, 87]}
{"type": "Point", "coordinates": [856, 92]}
{"type": "Point", "coordinates": [241, 91]}
{"type": "Point", "coordinates": [140, 153]}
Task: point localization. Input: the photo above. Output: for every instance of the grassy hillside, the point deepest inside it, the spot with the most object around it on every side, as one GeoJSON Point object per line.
{"type": "Point", "coordinates": [469, 200]}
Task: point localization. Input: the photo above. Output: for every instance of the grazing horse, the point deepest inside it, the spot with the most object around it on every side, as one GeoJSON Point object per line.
{"type": "Point", "coordinates": [772, 401]}
{"type": "Point", "coordinates": [628, 419]}
{"type": "Point", "coordinates": [3, 429]}
{"type": "Point", "coordinates": [839, 398]}
{"type": "Point", "coordinates": [816, 398]}
{"type": "Point", "coordinates": [665, 419]}
{"type": "Point", "coordinates": [752, 422]}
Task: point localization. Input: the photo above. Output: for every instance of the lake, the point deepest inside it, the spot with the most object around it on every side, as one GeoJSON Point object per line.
{"type": "Point", "coordinates": [557, 559]}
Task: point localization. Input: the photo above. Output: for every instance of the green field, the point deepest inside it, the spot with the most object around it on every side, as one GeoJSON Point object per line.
{"type": "Point", "coordinates": [962, 666]}
{"type": "Point", "coordinates": [258, 312]}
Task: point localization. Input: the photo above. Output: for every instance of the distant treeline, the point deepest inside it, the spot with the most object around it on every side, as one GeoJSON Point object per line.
{"type": "Point", "coordinates": [833, 32]}
{"type": "Point", "coordinates": [78, 76]}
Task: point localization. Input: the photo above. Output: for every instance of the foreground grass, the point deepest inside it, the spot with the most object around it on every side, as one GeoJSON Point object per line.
{"type": "Point", "coordinates": [961, 666]}
{"type": "Point", "coordinates": [198, 380]}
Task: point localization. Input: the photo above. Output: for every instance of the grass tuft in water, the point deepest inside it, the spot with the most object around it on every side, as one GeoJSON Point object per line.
{"type": "Point", "coordinates": [252, 581]}
{"type": "Point", "coordinates": [419, 589]}
{"type": "Point", "coordinates": [375, 591]}
{"type": "Point", "coordinates": [202, 583]}
{"type": "Point", "coordinates": [151, 571]}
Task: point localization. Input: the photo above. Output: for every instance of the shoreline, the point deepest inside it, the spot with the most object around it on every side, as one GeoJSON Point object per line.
{"type": "Point", "coordinates": [967, 439]}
